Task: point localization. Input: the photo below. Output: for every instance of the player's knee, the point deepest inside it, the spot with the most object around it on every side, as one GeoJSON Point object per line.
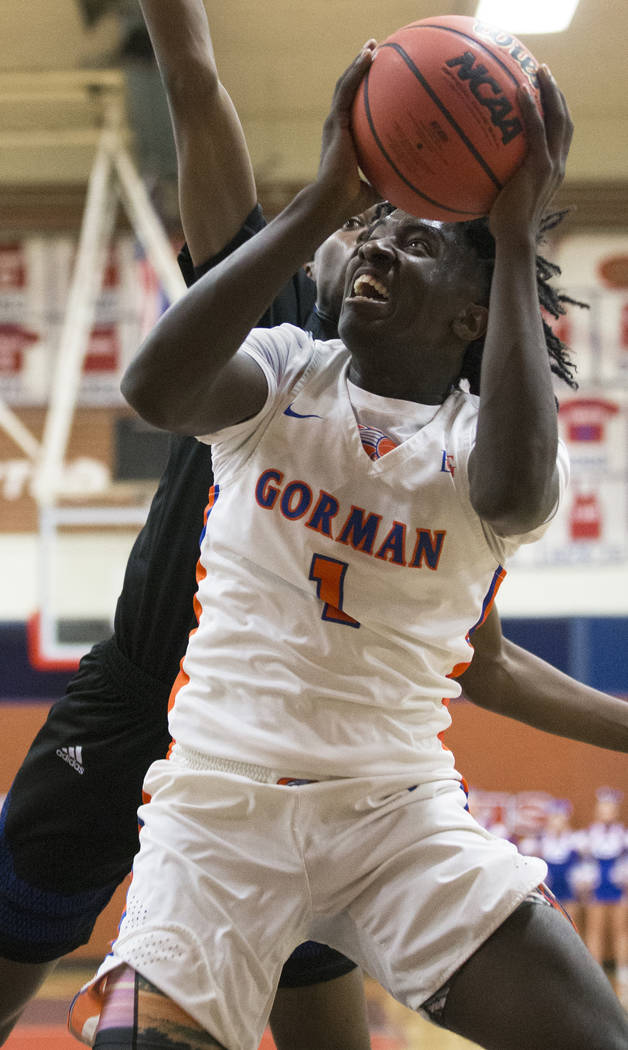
{"type": "Point", "coordinates": [8, 1020]}
{"type": "Point", "coordinates": [533, 983]}
{"type": "Point", "coordinates": [19, 982]}
{"type": "Point", "coordinates": [7, 1024]}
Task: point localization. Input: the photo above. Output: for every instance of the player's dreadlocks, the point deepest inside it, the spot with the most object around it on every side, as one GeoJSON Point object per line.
{"type": "Point", "coordinates": [551, 300]}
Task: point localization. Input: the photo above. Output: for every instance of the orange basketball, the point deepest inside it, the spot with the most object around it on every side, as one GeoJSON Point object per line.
{"type": "Point", "coordinates": [436, 121]}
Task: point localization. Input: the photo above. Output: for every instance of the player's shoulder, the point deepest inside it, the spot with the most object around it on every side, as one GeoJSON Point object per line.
{"type": "Point", "coordinates": [288, 347]}
{"type": "Point", "coordinates": [279, 347]}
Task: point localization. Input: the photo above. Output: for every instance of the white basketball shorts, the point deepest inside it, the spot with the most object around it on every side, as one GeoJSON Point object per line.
{"type": "Point", "coordinates": [233, 874]}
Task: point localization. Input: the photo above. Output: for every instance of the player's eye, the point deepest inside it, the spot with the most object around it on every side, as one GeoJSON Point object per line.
{"type": "Point", "coordinates": [354, 223]}
{"type": "Point", "coordinates": [418, 243]}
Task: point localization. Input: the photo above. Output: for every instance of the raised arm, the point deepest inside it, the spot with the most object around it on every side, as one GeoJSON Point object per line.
{"type": "Point", "coordinates": [513, 479]}
{"type": "Point", "coordinates": [187, 376]}
{"type": "Point", "coordinates": [216, 183]}
{"type": "Point", "coordinates": [510, 681]}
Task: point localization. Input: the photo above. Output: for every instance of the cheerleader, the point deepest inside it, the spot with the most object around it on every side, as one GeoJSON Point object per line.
{"type": "Point", "coordinates": [606, 920]}
{"type": "Point", "coordinates": [560, 846]}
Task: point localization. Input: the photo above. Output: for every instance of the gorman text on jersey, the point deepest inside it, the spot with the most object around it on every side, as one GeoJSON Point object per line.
{"type": "Point", "coordinates": [361, 529]}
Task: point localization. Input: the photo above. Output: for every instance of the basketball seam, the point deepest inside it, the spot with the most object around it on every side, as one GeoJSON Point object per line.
{"type": "Point", "coordinates": [447, 115]}
{"type": "Point", "coordinates": [381, 147]}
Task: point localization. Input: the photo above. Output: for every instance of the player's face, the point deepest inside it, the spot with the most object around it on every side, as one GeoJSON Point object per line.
{"type": "Point", "coordinates": [407, 286]}
{"type": "Point", "coordinates": [330, 263]}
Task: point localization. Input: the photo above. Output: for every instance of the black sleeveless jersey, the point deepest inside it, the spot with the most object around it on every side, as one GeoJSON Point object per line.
{"type": "Point", "coordinates": [154, 613]}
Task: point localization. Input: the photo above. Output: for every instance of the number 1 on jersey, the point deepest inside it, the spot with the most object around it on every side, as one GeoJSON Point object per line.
{"type": "Point", "coordinates": [329, 575]}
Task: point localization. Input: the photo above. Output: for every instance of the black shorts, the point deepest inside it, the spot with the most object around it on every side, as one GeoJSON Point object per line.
{"type": "Point", "coordinates": [68, 828]}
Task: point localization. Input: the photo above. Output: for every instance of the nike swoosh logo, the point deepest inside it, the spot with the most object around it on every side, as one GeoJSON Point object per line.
{"type": "Point", "coordinates": [289, 411]}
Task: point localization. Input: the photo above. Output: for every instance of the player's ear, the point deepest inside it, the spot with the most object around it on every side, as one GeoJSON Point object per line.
{"type": "Point", "coordinates": [310, 269]}
{"type": "Point", "coordinates": [470, 324]}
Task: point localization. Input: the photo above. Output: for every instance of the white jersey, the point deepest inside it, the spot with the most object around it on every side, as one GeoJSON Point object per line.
{"type": "Point", "coordinates": [336, 592]}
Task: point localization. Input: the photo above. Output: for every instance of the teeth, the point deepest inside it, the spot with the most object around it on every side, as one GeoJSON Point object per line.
{"type": "Point", "coordinates": [366, 284]}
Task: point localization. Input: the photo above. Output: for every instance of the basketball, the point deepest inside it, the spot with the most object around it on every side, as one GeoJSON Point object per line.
{"type": "Point", "coordinates": [436, 122]}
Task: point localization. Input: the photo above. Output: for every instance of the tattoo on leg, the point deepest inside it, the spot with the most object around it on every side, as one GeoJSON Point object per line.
{"type": "Point", "coordinates": [137, 1015]}
{"type": "Point", "coordinates": [162, 1023]}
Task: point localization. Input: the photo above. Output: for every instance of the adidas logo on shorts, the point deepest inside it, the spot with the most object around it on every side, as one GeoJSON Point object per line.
{"type": "Point", "coordinates": [73, 756]}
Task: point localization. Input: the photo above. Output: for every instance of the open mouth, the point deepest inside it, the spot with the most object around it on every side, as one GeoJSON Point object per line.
{"type": "Point", "coordinates": [368, 288]}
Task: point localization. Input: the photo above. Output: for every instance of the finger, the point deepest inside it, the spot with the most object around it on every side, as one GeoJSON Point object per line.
{"type": "Point", "coordinates": [348, 83]}
{"type": "Point", "coordinates": [568, 123]}
{"type": "Point", "coordinates": [533, 123]}
{"type": "Point", "coordinates": [558, 125]}
{"type": "Point", "coordinates": [352, 76]}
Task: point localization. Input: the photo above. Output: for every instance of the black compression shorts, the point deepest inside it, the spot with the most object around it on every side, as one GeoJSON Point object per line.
{"type": "Point", "coordinates": [68, 828]}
